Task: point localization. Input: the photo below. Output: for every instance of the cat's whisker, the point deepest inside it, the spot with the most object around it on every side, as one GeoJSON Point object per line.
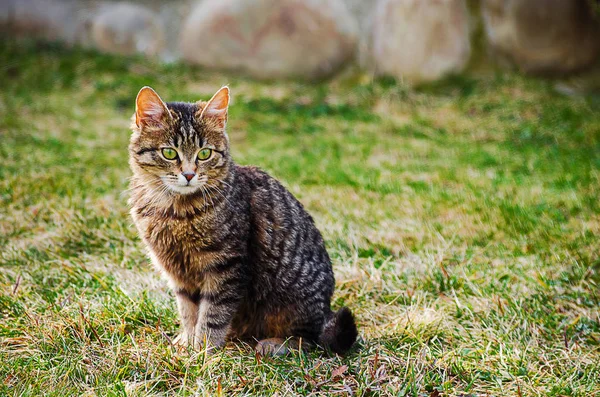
{"type": "Point", "coordinates": [210, 197]}
{"type": "Point", "coordinates": [212, 203]}
{"type": "Point", "coordinates": [226, 183]}
{"type": "Point", "coordinates": [203, 196]}
{"type": "Point", "coordinates": [158, 196]}
{"type": "Point", "coordinates": [208, 187]}
{"type": "Point", "coordinates": [219, 192]}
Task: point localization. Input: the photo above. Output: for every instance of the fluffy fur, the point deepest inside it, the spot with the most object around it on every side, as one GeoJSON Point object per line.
{"type": "Point", "coordinates": [241, 253]}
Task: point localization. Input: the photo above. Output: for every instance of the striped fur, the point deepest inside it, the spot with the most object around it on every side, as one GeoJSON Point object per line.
{"type": "Point", "coordinates": [242, 255]}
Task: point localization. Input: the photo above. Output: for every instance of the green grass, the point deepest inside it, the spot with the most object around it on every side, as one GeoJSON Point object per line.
{"type": "Point", "coordinates": [462, 218]}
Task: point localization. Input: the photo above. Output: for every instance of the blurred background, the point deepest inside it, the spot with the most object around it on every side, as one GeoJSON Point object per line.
{"type": "Point", "coordinates": [448, 150]}
{"type": "Point", "coordinates": [410, 40]}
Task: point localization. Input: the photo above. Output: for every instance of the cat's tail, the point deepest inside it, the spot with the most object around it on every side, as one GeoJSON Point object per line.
{"type": "Point", "coordinates": [339, 331]}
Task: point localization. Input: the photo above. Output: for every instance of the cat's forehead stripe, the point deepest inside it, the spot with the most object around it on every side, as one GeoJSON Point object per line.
{"type": "Point", "coordinates": [186, 133]}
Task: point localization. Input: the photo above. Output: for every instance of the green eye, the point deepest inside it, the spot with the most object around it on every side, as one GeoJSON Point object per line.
{"type": "Point", "coordinates": [204, 154]}
{"type": "Point", "coordinates": [169, 153]}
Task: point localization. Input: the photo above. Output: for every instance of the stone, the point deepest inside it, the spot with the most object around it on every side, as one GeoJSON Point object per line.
{"type": "Point", "coordinates": [362, 12]}
{"type": "Point", "coordinates": [46, 19]}
{"type": "Point", "coordinates": [126, 28]}
{"type": "Point", "coordinates": [307, 39]}
{"type": "Point", "coordinates": [419, 41]}
{"type": "Point", "coordinates": [542, 36]}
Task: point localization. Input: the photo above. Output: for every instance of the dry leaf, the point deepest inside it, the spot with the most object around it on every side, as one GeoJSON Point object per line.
{"type": "Point", "coordinates": [339, 371]}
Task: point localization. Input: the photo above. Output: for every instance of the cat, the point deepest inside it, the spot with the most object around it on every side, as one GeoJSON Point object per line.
{"type": "Point", "coordinates": [244, 258]}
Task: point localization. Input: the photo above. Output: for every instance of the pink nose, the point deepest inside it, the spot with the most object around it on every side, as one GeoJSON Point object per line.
{"type": "Point", "coordinates": [188, 175]}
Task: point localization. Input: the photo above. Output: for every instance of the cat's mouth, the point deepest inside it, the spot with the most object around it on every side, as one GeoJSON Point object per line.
{"type": "Point", "coordinates": [187, 189]}
{"type": "Point", "coordinates": [182, 186]}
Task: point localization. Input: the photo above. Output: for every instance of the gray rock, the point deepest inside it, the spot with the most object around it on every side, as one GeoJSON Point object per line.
{"type": "Point", "coordinates": [419, 41]}
{"type": "Point", "coordinates": [362, 11]}
{"type": "Point", "coordinates": [46, 19]}
{"type": "Point", "coordinates": [542, 36]}
{"type": "Point", "coordinates": [126, 28]}
{"type": "Point", "coordinates": [308, 39]}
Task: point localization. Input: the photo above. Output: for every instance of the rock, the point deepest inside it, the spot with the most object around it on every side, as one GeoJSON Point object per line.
{"type": "Point", "coordinates": [46, 19]}
{"type": "Point", "coordinates": [308, 39]}
{"type": "Point", "coordinates": [126, 28]}
{"type": "Point", "coordinates": [543, 36]}
{"type": "Point", "coordinates": [172, 13]}
{"type": "Point", "coordinates": [362, 12]}
{"type": "Point", "coordinates": [420, 40]}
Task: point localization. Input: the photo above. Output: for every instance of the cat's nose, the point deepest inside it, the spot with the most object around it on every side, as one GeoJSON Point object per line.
{"type": "Point", "coordinates": [188, 175]}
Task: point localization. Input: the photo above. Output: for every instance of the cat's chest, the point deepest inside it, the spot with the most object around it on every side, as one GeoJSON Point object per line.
{"type": "Point", "coordinates": [184, 248]}
{"type": "Point", "coordinates": [176, 232]}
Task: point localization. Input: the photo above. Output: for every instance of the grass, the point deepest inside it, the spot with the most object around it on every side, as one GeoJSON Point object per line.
{"type": "Point", "coordinates": [462, 219]}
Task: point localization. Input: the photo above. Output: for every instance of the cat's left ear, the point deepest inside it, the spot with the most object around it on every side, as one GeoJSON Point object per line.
{"type": "Point", "coordinates": [216, 108]}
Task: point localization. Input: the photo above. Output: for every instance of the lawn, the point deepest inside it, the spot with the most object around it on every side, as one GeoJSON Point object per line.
{"type": "Point", "coordinates": [462, 218]}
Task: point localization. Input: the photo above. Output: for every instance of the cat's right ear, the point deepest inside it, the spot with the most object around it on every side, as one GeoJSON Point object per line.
{"type": "Point", "coordinates": [150, 110]}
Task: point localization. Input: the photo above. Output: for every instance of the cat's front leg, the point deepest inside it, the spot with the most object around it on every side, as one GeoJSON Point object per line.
{"type": "Point", "coordinates": [188, 305]}
{"type": "Point", "coordinates": [222, 292]}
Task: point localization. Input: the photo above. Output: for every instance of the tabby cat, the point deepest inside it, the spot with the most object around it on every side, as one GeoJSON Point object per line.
{"type": "Point", "coordinates": [244, 258]}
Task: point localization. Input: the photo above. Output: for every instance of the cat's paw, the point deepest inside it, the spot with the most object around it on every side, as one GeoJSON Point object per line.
{"type": "Point", "coordinates": [208, 345]}
{"type": "Point", "coordinates": [273, 347]}
{"type": "Point", "coordinates": [182, 341]}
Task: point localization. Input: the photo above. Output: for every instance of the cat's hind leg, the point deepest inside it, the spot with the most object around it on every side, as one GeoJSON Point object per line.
{"type": "Point", "coordinates": [281, 346]}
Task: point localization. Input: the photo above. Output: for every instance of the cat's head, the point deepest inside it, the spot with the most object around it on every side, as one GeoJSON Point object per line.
{"type": "Point", "coordinates": [181, 147]}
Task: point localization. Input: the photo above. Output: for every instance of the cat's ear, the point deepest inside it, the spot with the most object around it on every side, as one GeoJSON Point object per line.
{"type": "Point", "coordinates": [150, 109]}
{"type": "Point", "coordinates": [216, 108]}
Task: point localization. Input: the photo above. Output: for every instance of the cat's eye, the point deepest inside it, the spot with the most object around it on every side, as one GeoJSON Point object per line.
{"type": "Point", "coordinates": [204, 154]}
{"type": "Point", "coordinates": [169, 153]}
